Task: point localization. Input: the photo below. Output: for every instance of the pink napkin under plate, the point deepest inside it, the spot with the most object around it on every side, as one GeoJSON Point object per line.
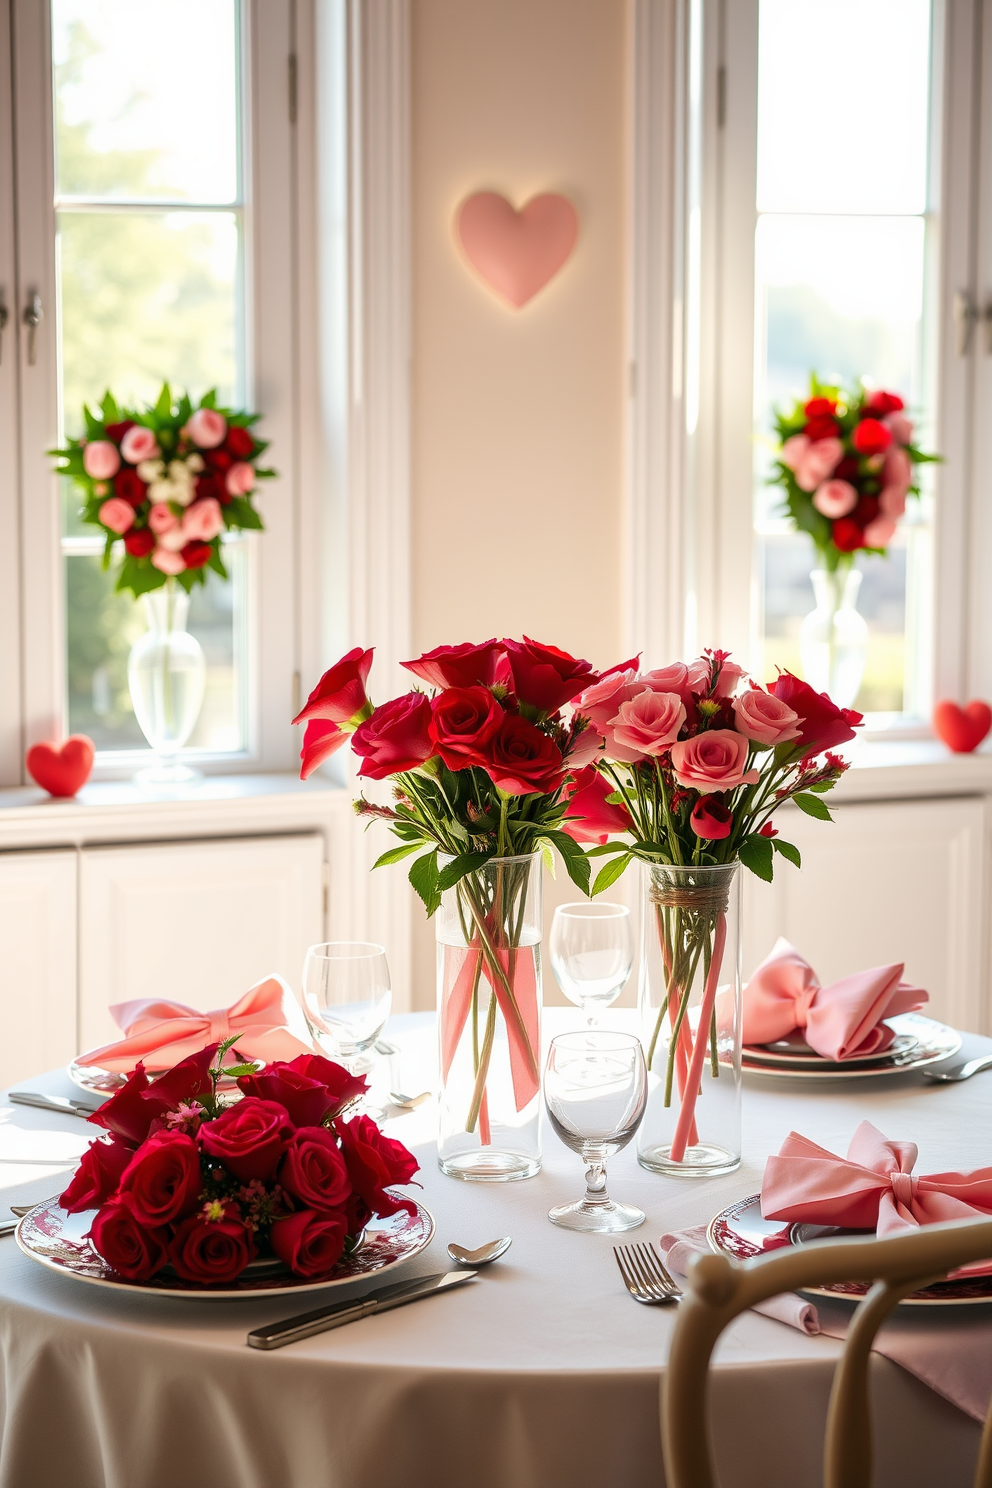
{"type": "Point", "coordinates": [844, 1020]}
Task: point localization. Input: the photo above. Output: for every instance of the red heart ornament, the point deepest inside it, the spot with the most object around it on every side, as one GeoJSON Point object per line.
{"type": "Point", "coordinates": [517, 253]}
{"type": "Point", "coordinates": [61, 769]}
{"type": "Point", "coordinates": [962, 729]}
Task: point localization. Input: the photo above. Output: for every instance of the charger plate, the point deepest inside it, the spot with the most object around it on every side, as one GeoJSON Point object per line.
{"type": "Point", "coordinates": [57, 1240]}
{"type": "Point", "coordinates": [919, 1041]}
{"type": "Point", "coordinates": [740, 1232]}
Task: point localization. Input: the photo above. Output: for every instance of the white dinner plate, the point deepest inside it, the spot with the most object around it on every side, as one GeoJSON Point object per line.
{"type": "Point", "coordinates": [919, 1041]}
{"type": "Point", "coordinates": [104, 1082]}
{"type": "Point", "coordinates": [740, 1232]}
{"type": "Point", "coordinates": [56, 1239]}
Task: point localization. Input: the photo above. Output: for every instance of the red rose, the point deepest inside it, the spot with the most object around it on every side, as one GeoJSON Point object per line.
{"type": "Point", "coordinates": [130, 1247]}
{"type": "Point", "coordinates": [309, 1087]}
{"type": "Point", "coordinates": [217, 459]}
{"type": "Point", "coordinates": [458, 666]}
{"type": "Point", "coordinates": [397, 737]}
{"type": "Point", "coordinates": [768, 830]}
{"type": "Point", "coordinates": [130, 1112]}
{"type": "Point", "coordinates": [866, 510]}
{"type": "Point", "coordinates": [711, 820]}
{"type": "Point", "coordinates": [342, 1086]}
{"type": "Point", "coordinates": [310, 1244]}
{"type": "Point", "coordinates": [129, 486]}
{"type": "Point", "coordinates": [208, 1250]}
{"type": "Point", "coordinates": [589, 818]}
{"type": "Point", "coordinates": [196, 554]}
{"type": "Point", "coordinates": [212, 485]}
{"type": "Point", "coordinates": [848, 469]}
{"type": "Point", "coordinates": [373, 1161]}
{"type": "Point", "coordinates": [185, 1081]}
{"type": "Point", "coordinates": [320, 740]}
{"type": "Point", "coordinates": [97, 1176]}
{"type": "Point", "coordinates": [520, 759]}
{"type": "Point", "coordinates": [117, 431]}
{"type": "Point", "coordinates": [820, 428]}
{"type": "Point", "coordinates": [822, 724]}
{"type": "Point", "coordinates": [139, 542]}
{"type": "Point", "coordinates": [847, 535]}
{"type": "Point", "coordinates": [162, 1181]}
{"type": "Point", "coordinates": [239, 442]}
{"type": "Point", "coordinates": [544, 677]}
{"type": "Point", "coordinates": [340, 695]}
{"type": "Point", "coordinates": [313, 1170]}
{"type": "Point", "coordinates": [249, 1138]}
{"type": "Point", "coordinates": [871, 437]}
{"type": "Point", "coordinates": [818, 407]}
{"type": "Point", "coordinates": [463, 720]}
{"type": "Point", "coordinates": [879, 402]}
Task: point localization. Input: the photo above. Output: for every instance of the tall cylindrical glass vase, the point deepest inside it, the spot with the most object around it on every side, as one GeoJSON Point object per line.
{"type": "Point", "coordinates": [488, 931]}
{"type": "Point", "coordinates": [690, 1002]}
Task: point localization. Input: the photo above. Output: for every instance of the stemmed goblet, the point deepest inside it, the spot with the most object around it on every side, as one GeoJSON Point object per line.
{"type": "Point", "coordinates": [346, 999]}
{"type": "Point", "coordinates": [592, 952]}
{"type": "Point", "coordinates": [596, 1089]}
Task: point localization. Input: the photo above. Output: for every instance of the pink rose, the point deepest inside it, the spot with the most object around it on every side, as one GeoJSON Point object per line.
{"type": "Point", "coordinates": [819, 460]}
{"type": "Point", "coordinates": [118, 515]}
{"type": "Point", "coordinates": [161, 519]}
{"type": "Point", "coordinates": [793, 450]}
{"type": "Point", "coordinates": [240, 479]}
{"type": "Point", "coordinates": [203, 520]}
{"type": "Point", "coordinates": [673, 678]}
{"type": "Point", "coordinates": [835, 498]}
{"type": "Point", "coordinates": [139, 444]}
{"type": "Point", "coordinates": [728, 676]}
{"type": "Point", "coordinates": [650, 722]}
{"type": "Point", "coordinates": [762, 717]}
{"type": "Point", "coordinates": [880, 532]}
{"type": "Point", "coordinates": [892, 502]}
{"type": "Point", "coordinates": [901, 427]}
{"type": "Point", "coordinates": [584, 748]}
{"type": "Point", "coordinates": [101, 459]}
{"type": "Point", "coordinates": [897, 470]}
{"type": "Point", "coordinates": [599, 703]}
{"type": "Point", "coordinates": [207, 428]}
{"type": "Point", "coordinates": [167, 561]}
{"type": "Point", "coordinates": [712, 761]}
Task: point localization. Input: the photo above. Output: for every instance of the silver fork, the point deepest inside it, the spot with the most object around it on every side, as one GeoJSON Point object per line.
{"type": "Point", "coordinates": [645, 1275]}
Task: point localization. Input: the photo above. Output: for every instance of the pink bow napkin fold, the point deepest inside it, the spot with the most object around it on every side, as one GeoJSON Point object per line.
{"type": "Point", "coordinates": [268, 1020]}
{"type": "Point", "coordinates": [873, 1188]}
{"type": "Point", "coordinates": [841, 1021]}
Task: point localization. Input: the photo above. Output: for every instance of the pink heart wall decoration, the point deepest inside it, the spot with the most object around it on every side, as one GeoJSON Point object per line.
{"type": "Point", "coordinates": [517, 253]}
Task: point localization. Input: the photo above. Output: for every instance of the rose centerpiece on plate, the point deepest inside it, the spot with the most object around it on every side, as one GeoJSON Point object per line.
{"type": "Point", "coordinates": [693, 764]}
{"type": "Point", "coordinates": [190, 1182]}
{"type": "Point", "coordinates": [482, 760]}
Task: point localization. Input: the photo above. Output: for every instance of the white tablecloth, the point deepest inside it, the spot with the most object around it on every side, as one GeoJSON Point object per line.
{"type": "Point", "coordinates": [543, 1373]}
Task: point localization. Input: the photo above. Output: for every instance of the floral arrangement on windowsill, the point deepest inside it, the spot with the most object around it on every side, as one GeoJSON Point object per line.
{"type": "Point", "coordinates": [168, 480]}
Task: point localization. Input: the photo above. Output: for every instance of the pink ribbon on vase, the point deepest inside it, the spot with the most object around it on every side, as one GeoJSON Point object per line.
{"type": "Point", "coordinates": [840, 1021]}
{"type": "Point", "coordinates": [466, 968]}
{"type": "Point", "coordinates": [268, 1020]}
{"type": "Point", "coordinates": [873, 1188]}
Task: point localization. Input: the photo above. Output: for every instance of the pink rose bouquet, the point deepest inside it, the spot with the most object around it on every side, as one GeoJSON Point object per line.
{"type": "Point", "coordinates": [198, 1188]}
{"type": "Point", "coordinates": [167, 482]}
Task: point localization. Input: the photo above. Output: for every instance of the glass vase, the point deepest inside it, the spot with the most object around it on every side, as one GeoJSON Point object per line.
{"type": "Point", "coordinates": [690, 1004]}
{"type": "Point", "coordinates": [833, 638]}
{"type": "Point", "coordinates": [165, 676]}
{"type": "Point", "coordinates": [488, 931]}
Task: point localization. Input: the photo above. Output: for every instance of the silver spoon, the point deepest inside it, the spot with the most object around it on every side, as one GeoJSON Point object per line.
{"type": "Point", "coordinates": [410, 1102]}
{"type": "Point", "coordinates": [960, 1071]}
{"type": "Point", "coordinates": [483, 1255]}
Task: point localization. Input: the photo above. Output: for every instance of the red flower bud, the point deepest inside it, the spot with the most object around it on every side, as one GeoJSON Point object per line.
{"type": "Point", "coordinates": [711, 820]}
{"type": "Point", "coordinates": [847, 535]}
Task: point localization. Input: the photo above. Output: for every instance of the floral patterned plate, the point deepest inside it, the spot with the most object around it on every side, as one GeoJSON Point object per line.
{"type": "Point", "coordinates": [740, 1232]}
{"type": "Point", "coordinates": [56, 1240]}
{"type": "Point", "coordinates": [919, 1041]}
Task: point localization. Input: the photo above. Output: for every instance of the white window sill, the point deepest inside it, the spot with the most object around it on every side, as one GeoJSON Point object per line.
{"type": "Point", "coordinates": [910, 769]}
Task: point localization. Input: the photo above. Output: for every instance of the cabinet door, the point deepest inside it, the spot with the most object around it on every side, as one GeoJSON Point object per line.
{"type": "Point", "coordinates": [195, 922]}
{"type": "Point", "coordinates": [37, 962]}
{"type": "Point", "coordinates": [891, 881]}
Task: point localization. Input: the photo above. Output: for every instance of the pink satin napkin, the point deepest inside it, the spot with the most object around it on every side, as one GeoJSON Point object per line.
{"type": "Point", "coordinates": [840, 1021]}
{"type": "Point", "coordinates": [268, 1020]}
{"type": "Point", "coordinates": [679, 1248]}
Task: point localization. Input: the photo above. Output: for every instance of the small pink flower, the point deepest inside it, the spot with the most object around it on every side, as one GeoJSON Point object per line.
{"type": "Point", "coordinates": [167, 562]}
{"type": "Point", "coordinates": [880, 532]}
{"type": "Point", "coordinates": [818, 461]}
{"type": "Point", "coordinates": [892, 501]}
{"type": "Point", "coordinates": [139, 444]}
{"type": "Point", "coordinates": [118, 515]}
{"type": "Point", "coordinates": [835, 498]}
{"type": "Point", "coordinates": [207, 428]}
{"type": "Point", "coordinates": [897, 469]}
{"type": "Point", "coordinates": [726, 682]}
{"type": "Point", "coordinates": [650, 722]}
{"type": "Point", "coordinates": [762, 717]}
{"type": "Point", "coordinates": [202, 521]}
{"type": "Point", "coordinates": [101, 459]}
{"type": "Point", "coordinates": [599, 703]}
{"type": "Point", "coordinates": [712, 761]}
{"type": "Point", "coordinates": [901, 427]}
{"type": "Point", "coordinates": [240, 478]}
{"type": "Point", "coordinates": [160, 518]}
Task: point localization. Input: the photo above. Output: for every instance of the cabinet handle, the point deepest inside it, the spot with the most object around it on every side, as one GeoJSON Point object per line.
{"type": "Point", "coordinates": [4, 317]}
{"type": "Point", "coordinates": [966, 313]}
{"type": "Point", "coordinates": [33, 316]}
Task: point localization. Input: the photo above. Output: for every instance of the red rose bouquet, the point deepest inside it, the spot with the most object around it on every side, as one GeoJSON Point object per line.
{"type": "Point", "coordinates": [169, 480]}
{"type": "Point", "coordinates": [203, 1186]}
{"type": "Point", "coordinates": [846, 461]}
{"type": "Point", "coordinates": [691, 767]}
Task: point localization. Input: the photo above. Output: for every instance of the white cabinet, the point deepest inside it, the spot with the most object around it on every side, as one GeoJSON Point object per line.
{"type": "Point", "coordinates": [37, 962]}
{"type": "Point", "coordinates": [197, 922]}
{"type": "Point", "coordinates": [889, 881]}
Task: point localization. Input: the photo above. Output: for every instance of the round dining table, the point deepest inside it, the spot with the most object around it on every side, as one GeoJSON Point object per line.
{"type": "Point", "coordinates": [541, 1373]}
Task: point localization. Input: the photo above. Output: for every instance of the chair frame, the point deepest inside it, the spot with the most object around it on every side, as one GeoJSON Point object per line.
{"type": "Point", "coordinates": [718, 1289]}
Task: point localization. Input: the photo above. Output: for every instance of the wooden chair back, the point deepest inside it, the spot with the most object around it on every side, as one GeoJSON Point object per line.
{"type": "Point", "coordinates": [719, 1288]}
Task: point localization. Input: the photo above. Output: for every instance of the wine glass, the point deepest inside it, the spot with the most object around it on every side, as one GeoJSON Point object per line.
{"type": "Point", "coordinates": [592, 952]}
{"type": "Point", "coordinates": [596, 1089]}
{"type": "Point", "coordinates": [346, 999]}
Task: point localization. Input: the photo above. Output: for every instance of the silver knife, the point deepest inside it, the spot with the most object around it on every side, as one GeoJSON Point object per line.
{"type": "Point", "coordinates": [51, 1103]}
{"type": "Point", "coordinates": [307, 1323]}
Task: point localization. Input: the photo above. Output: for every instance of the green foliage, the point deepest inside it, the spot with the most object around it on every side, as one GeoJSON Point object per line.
{"type": "Point", "coordinates": [424, 877]}
{"type": "Point", "coordinates": [610, 873]}
{"type": "Point", "coordinates": [755, 852]}
{"type": "Point", "coordinates": [787, 850]}
{"type": "Point", "coordinates": [813, 806]}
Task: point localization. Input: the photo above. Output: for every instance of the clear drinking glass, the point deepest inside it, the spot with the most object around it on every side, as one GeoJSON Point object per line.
{"type": "Point", "coordinates": [592, 952]}
{"type": "Point", "coordinates": [346, 999]}
{"type": "Point", "coordinates": [595, 1089]}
